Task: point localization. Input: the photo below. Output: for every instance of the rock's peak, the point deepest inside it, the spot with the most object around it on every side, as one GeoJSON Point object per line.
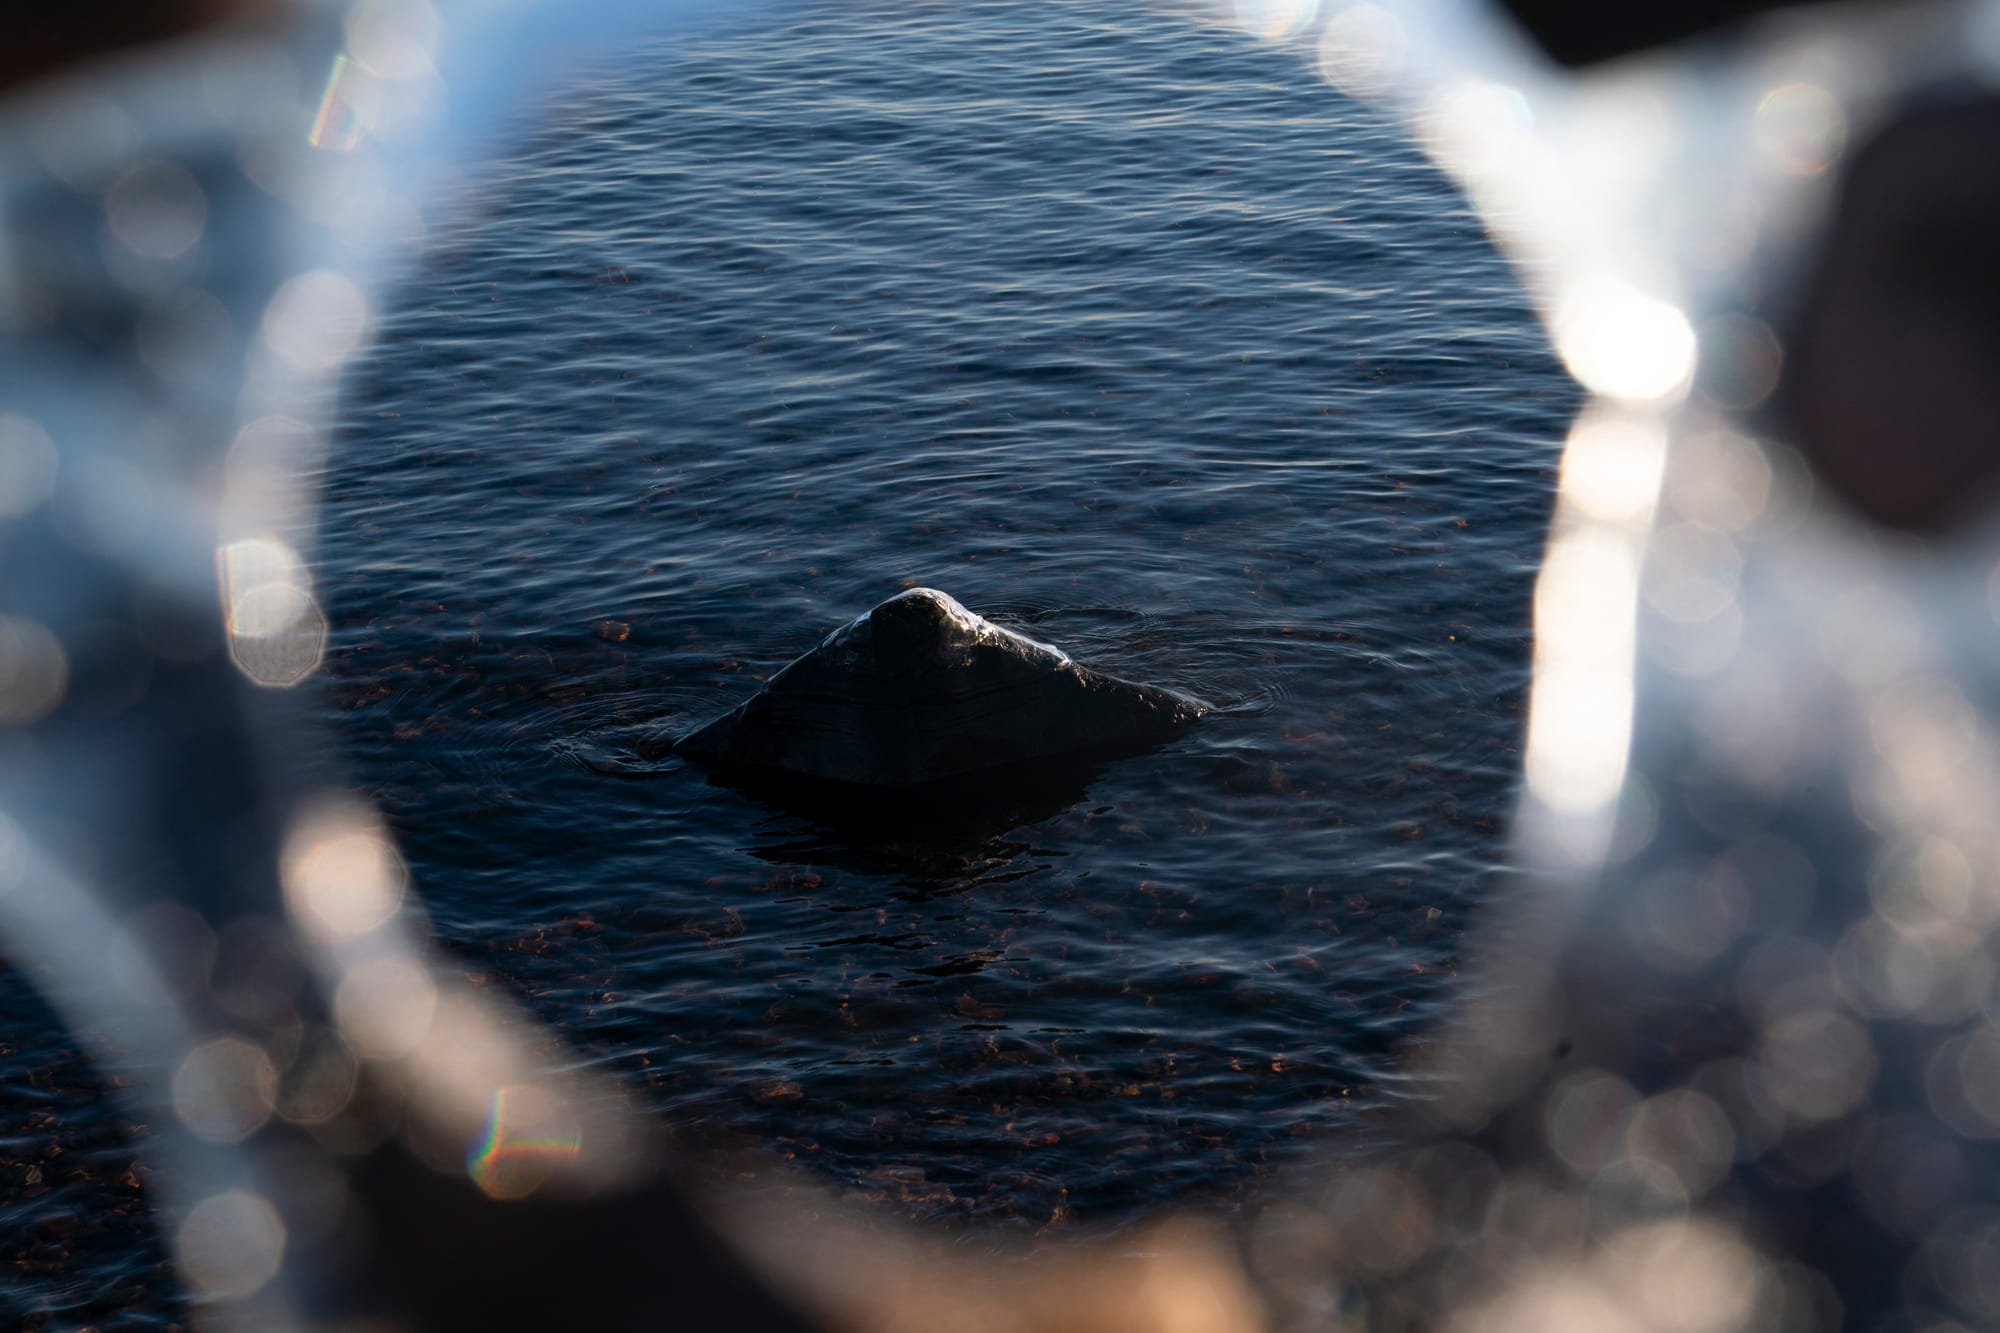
{"type": "Point", "coordinates": [918, 620]}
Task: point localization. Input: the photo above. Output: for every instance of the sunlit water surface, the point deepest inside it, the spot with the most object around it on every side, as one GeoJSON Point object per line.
{"type": "Point", "coordinates": [1121, 329]}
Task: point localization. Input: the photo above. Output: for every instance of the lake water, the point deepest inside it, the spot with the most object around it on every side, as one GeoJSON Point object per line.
{"type": "Point", "coordinates": [1122, 329]}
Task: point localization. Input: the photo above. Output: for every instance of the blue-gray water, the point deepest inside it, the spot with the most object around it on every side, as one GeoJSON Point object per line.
{"type": "Point", "coordinates": [1119, 328]}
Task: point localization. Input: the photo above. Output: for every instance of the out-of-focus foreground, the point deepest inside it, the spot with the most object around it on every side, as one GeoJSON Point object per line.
{"type": "Point", "coordinates": [1731, 1061]}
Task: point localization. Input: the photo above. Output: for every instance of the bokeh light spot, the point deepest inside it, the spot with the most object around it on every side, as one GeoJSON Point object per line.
{"type": "Point", "coordinates": [341, 875]}
{"type": "Point", "coordinates": [1720, 478]}
{"type": "Point", "coordinates": [28, 464]}
{"type": "Point", "coordinates": [34, 670]}
{"type": "Point", "coordinates": [231, 1244]}
{"type": "Point", "coordinates": [1275, 20]}
{"type": "Point", "coordinates": [183, 336]}
{"type": "Point", "coordinates": [1583, 1117]}
{"type": "Point", "coordinates": [1740, 361]}
{"type": "Point", "coordinates": [317, 320]}
{"type": "Point", "coordinates": [385, 1006]}
{"type": "Point", "coordinates": [72, 131]}
{"type": "Point", "coordinates": [529, 1134]}
{"type": "Point", "coordinates": [156, 210]}
{"type": "Point", "coordinates": [1682, 1276]}
{"type": "Point", "coordinates": [320, 1082]}
{"type": "Point", "coordinates": [1686, 1138]}
{"type": "Point", "coordinates": [1692, 574]}
{"type": "Point", "coordinates": [224, 1090]}
{"type": "Point", "coordinates": [394, 39]}
{"type": "Point", "coordinates": [1815, 1063]}
{"type": "Point", "coordinates": [1580, 705]}
{"type": "Point", "coordinates": [1800, 128]}
{"type": "Point", "coordinates": [1363, 50]}
{"type": "Point", "coordinates": [1620, 342]}
{"type": "Point", "coordinates": [1477, 130]}
{"type": "Point", "coordinates": [1612, 465]}
{"type": "Point", "coordinates": [277, 633]}
{"type": "Point", "coordinates": [1556, 1302]}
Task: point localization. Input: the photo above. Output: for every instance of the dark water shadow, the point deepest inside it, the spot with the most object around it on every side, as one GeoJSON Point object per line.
{"type": "Point", "coordinates": [935, 835]}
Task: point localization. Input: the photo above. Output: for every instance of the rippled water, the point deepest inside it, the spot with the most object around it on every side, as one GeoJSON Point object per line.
{"type": "Point", "coordinates": [1120, 329]}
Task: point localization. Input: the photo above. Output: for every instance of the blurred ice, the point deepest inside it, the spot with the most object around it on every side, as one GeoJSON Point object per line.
{"type": "Point", "coordinates": [1733, 1062]}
